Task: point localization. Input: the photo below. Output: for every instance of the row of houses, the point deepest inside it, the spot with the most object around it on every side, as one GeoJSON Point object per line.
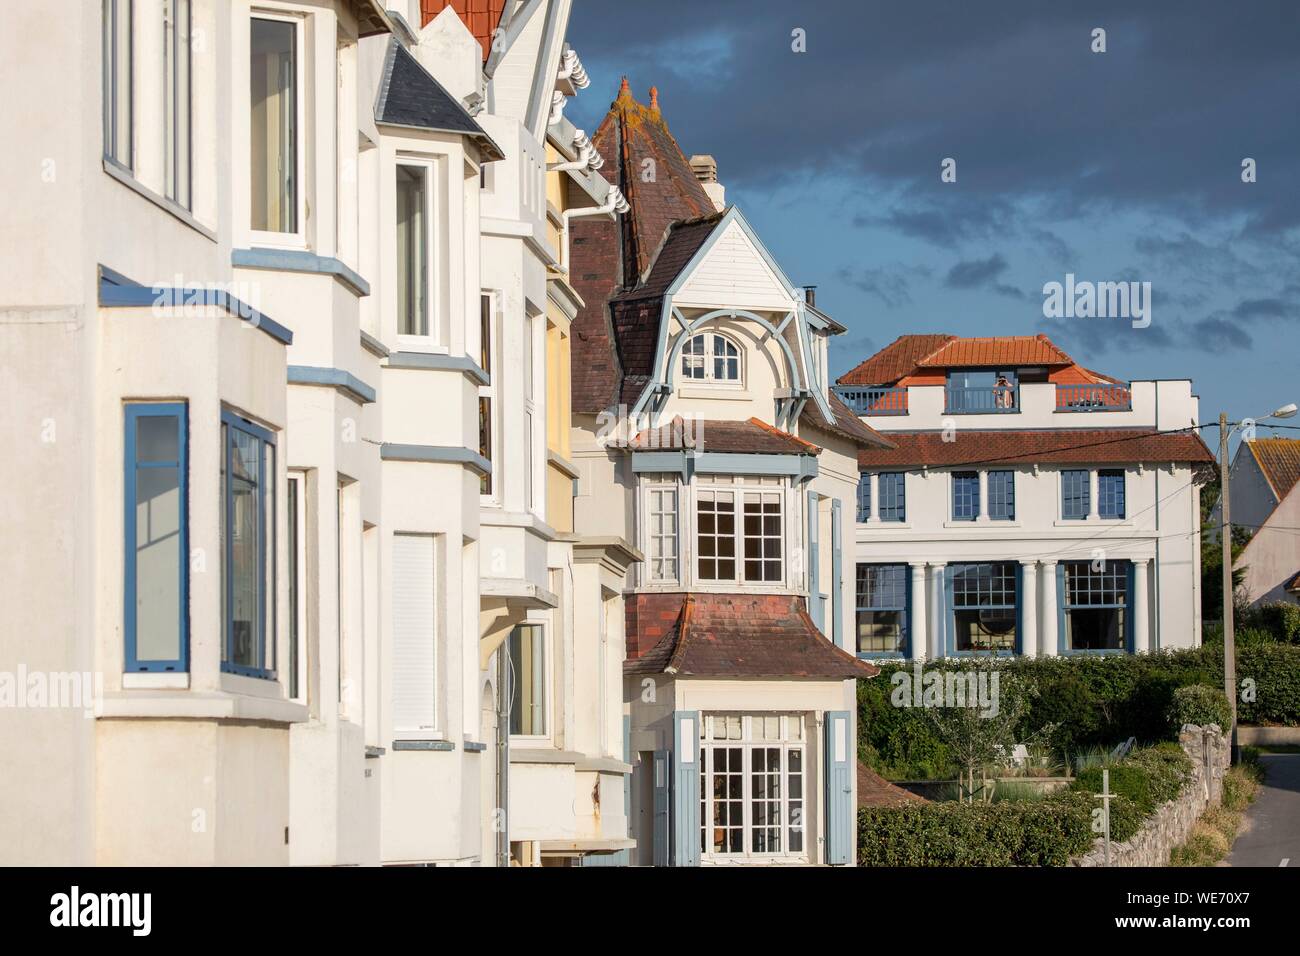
{"type": "Point", "coordinates": [415, 478]}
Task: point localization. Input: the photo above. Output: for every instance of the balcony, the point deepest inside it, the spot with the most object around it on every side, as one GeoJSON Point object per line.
{"type": "Point", "coordinates": [1093, 398]}
{"type": "Point", "coordinates": [866, 400]}
{"type": "Point", "coordinates": [981, 399]}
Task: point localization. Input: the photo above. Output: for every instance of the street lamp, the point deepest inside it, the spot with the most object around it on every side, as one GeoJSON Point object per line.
{"type": "Point", "coordinates": [1225, 534]}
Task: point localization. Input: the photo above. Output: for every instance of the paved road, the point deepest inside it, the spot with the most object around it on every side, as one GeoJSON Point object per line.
{"type": "Point", "coordinates": [1272, 831]}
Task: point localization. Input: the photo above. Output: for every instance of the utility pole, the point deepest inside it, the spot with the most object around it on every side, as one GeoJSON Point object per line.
{"type": "Point", "coordinates": [1225, 535]}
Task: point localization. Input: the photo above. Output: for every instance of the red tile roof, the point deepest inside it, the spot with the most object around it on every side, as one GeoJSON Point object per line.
{"type": "Point", "coordinates": [1057, 446]}
{"type": "Point", "coordinates": [753, 437]}
{"type": "Point", "coordinates": [746, 636]}
{"type": "Point", "coordinates": [480, 16]}
{"type": "Point", "coordinates": [908, 354]}
{"type": "Point", "coordinates": [875, 791]}
{"type": "Point", "coordinates": [1279, 460]}
{"type": "Point", "coordinates": [1292, 583]}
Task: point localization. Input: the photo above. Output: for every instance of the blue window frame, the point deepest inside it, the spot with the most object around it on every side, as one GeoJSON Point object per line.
{"type": "Point", "coordinates": [1095, 614]}
{"type": "Point", "coordinates": [1002, 495]}
{"type": "Point", "coordinates": [156, 518]}
{"type": "Point", "coordinates": [884, 591]}
{"type": "Point", "coordinates": [965, 495]}
{"type": "Point", "coordinates": [985, 607]}
{"type": "Point", "coordinates": [248, 547]}
{"type": "Point", "coordinates": [1075, 494]}
{"type": "Point", "coordinates": [893, 496]}
{"type": "Point", "coordinates": [864, 496]}
{"type": "Point", "coordinates": [1110, 493]}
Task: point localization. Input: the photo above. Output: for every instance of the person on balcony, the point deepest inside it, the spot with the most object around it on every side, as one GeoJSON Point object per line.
{"type": "Point", "coordinates": [1003, 396]}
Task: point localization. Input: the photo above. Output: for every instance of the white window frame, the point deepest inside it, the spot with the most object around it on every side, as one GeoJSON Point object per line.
{"type": "Point", "coordinates": [548, 687]}
{"type": "Point", "coordinates": [748, 743]}
{"type": "Point", "coordinates": [298, 238]}
{"type": "Point", "coordinates": [650, 538]}
{"type": "Point", "coordinates": [298, 480]}
{"type": "Point", "coordinates": [433, 341]}
{"type": "Point", "coordinates": [433, 731]}
{"type": "Point", "coordinates": [741, 485]}
{"type": "Point", "coordinates": [178, 118]}
{"type": "Point", "coordinates": [709, 355]}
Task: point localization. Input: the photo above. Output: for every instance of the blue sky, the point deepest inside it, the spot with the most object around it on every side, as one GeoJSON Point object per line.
{"type": "Point", "coordinates": [1122, 165]}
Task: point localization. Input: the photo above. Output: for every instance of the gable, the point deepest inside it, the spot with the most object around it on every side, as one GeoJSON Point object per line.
{"type": "Point", "coordinates": [733, 273]}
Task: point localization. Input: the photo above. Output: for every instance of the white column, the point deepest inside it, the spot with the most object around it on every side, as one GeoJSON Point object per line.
{"type": "Point", "coordinates": [1029, 608]}
{"type": "Point", "coordinates": [875, 497]}
{"type": "Point", "coordinates": [1092, 494]}
{"type": "Point", "coordinates": [938, 618]}
{"type": "Point", "coordinates": [982, 514]}
{"type": "Point", "coordinates": [920, 633]}
{"type": "Point", "coordinates": [1141, 632]}
{"type": "Point", "coordinates": [1047, 633]}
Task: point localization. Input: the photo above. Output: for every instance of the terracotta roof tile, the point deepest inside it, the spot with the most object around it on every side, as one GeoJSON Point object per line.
{"type": "Point", "coordinates": [481, 17]}
{"type": "Point", "coordinates": [847, 425]}
{"type": "Point", "coordinates": [875, 791]}
{"type": "Point", "coordinates": [753, 437]}
{"type": "Point", "coordinates": [909, 353]}
{"type": "Point", "coordinates": [1058, 446]}
{"type": "Point", "coordinates": [747, 636]}
{"type": "Point", "coordinates": [898, 358]}
{"type": "Point", "coordinates": [1279, 460]}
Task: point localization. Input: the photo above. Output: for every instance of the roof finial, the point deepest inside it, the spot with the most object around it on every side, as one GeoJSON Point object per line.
{"type": "Point", "coordinates": [624, 89]}
{"type": "Point", "coordinates": [654, 98]}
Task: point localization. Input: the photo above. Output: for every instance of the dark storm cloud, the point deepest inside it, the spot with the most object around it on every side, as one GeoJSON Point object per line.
{"type": "Point", "coordinates": [980, 274]}
{"type": "Point", "coordinates": [892, 285]}
{"type": "Point", "coordinates": [1010, 90]}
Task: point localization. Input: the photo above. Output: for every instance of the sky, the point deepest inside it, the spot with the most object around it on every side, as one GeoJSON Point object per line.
{"type": "Point", "coordinates": [1124, 165]}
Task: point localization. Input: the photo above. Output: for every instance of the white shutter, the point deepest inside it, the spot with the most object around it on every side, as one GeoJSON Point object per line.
{"type": "Point", "coordinates": [413, 632]}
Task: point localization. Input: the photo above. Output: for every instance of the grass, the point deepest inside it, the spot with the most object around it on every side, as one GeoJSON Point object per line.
{"type": "Point", "coordinates": [1212, 835]}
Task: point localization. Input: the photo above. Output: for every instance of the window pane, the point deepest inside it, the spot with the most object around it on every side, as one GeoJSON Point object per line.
{"type": "Point", "coordinates": [176, 100]}
{"type": "Point", "coordinates": [273, 134]}
{"type": "Point", "coordinates": [1075, 494]}
{"type": "Point", "coordinates": [1002, 495]}
{"type": "Point", "coordinates": [882, 608]}
{"type": "Point", "coordinates": [892, 505]}
{"type": "Point", "coordinates": [158, 561]}
{"type": "Point", "coordinates": [485, 442]}
{"type": "Point", "coordinates": [965, 495]}
{"type": "Point", "coordinates": [485, 333]}
{"type": "Point", "coordinates": [984, 606]}
{"type": "Point", "coordinates": [246, 549]}
{"type": "Point", "coordinates": [117, 53]}
{"type": "Point", "coordinates": [864, 496]}
{"type": "Point", "coordinates": [527, 680]}
{"type": "Point", "coordinates": [1110, 494]}
{"type": "Point", "coordinates": [291, 505]}
{"type": "Point", "coordinates": [157, 438]}
{"type": "Point", "coordinates": [412, 251]}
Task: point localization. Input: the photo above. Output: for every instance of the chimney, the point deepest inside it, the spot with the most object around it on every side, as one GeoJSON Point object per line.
{"type": "Point", "coordinates": [810, 295]}
{"type": "Point", "coordinates": [706, 171]}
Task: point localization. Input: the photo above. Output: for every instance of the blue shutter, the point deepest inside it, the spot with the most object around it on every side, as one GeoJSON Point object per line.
{"type": "Point", "coordinates": [1128, 608]}
{"type": "Point", "coordinates": [948, 640]}
{"type": "Point", "coordinates": [814, 572]}
{"type": "Point", "coordinates": [837, 575]}
{"type": "Point", "coordinates": [686, 788]}
{"type": "Point", "coordinates": [660, 771]}
{"type": "Point", "coordinates": [839, 787]}
{"type": "Point", "coordinates": [1060, 608]}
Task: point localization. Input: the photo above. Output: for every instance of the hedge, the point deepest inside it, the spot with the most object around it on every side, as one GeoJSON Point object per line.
{"type": "Point", "coordinates": [1199, 705]}
{"type": "Point", "coordinates": [1045, 832]}
{"type": "Point", "coordinates": [1094, 700]}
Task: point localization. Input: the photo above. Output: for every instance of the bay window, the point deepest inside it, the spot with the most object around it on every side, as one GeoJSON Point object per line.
{"type": "Point", "coordinates": [412, 249]}
{"type": "Point", "coordinates": [156, 529]}
{"type": "Point", "coordinates": [750, 550]}
{"type": "Point", "coordinates": [984, 607]}
{"type": "Point", "coordinates": [752, 785]}
{"type": "Point", "coordinates": [274, 133]}
{"type": "Point", "coordinates": [1095, 605]}
{"type": "Point", "coordinates": [248, 547]}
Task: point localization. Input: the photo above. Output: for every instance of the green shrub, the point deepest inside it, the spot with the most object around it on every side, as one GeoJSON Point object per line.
{"type": "Point", "coordinates": [1278, 620]}
{"type": "Point", "coordinates": [1015, 833]}
{"type": "Point", "coordinates": [1199, 705]}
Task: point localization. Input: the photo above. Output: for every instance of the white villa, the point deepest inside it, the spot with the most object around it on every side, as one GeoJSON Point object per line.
{"type": "Point", "coordinates": [1027, 505]}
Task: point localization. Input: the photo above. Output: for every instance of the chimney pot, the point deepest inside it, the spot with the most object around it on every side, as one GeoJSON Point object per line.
{"type": "Point", "coordinates": [810, 295]}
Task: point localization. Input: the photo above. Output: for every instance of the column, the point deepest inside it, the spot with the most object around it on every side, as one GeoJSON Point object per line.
{"type": "Point", "coordinates": [1092, 494]}
{"type": "Point", "coordinates": [917, 612]}
{"type": "Point", "coordinates": [874, 479]}
{"type": "Point", "coordinates": [1029, 608]}
{"type": "Point", "coordinates": [1047, 633]}
{"type": "Point", "coordinates": [1141, 631]}
{"type": "Point", "coordinates": [938, 620]}
{"type": "Point", "coordinates": [982, 514]}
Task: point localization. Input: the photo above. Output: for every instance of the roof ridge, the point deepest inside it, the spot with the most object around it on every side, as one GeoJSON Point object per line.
{"type": "Point", "coordinates": [683, 628]}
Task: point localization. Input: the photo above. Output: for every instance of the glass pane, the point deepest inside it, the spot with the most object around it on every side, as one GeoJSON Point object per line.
{"type": "Point", "coordinates": [273, 134]}
{"type": "Point", "coordinates": [527, 680]}
{"type": "Point", "coordinates": [157, 438]}
{"type": "Point", "coordinates": [158, 563]}
{"type": "Point", "coordinates": [291, 505]}
{"type": "Point", "coordinates": [222, 532]}
{"type": "Point", "coordinates": [245, 548]}
{"type": "Point", "coordinates": [412, 251]}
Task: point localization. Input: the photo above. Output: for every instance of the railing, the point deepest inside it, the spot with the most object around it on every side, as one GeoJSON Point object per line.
{"type": "Point", "coordinates": [981, 399]}
{"type": "Point", "coordinates": [873, 400]}
{"type": "Point", "coordinates": [1093, 398]}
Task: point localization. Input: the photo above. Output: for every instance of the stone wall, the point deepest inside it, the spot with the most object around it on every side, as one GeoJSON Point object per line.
{"type": "Point", "coordinates": [1170, 825]}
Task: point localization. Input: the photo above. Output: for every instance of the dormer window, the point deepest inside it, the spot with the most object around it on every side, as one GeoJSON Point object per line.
{"type": "Point", "coordinates": [711, 357]}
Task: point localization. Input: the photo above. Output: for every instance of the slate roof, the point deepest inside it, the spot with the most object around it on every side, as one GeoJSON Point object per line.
{"type": "Point", "coordinates": [909, 354]}
{"type": "Point", "coordinates": [481, 17]}
{"type": "Point", "coordinates": [1008, 446]}
{"type": "Point", "coordinates": [747, 636]}
{"type": "Point", "coordinates": [753, 437]}
{"type": "Point", "coordinates": [1279, 460]}
{"type": "Point", "coordinates": [409, 96]}
{"type": "Point", "coordinates": [847, 425]}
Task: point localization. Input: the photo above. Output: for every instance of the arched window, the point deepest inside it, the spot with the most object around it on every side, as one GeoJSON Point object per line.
{"type": "Point", "coordinates": [711, 357]}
